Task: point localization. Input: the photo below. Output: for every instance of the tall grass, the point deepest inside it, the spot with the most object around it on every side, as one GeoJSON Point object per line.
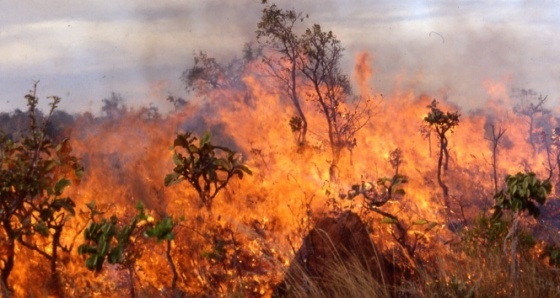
{"type": "Point", "coordinates": [452, 273]}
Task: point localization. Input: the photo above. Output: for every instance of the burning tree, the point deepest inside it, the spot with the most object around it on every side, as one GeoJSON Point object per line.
{"type": "Point", "coordinates": [531, 106]}
{"type": "Point", "coordinates": [275, 30]}
{"type": "Point", "coordinates": [320, 63]}
{"type": "Point", "coordinates": [555, 144]}
{"type": "Point", "coordinates": [442, 122]}
{"type": "Point", "coordinates": [386, 189]}
{"type": "Point", "coordinates": [495, 141]}
{"type": "Point", "coordinates": [35, 171]}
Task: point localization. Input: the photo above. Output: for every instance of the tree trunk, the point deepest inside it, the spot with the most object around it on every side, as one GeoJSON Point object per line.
{"type": "Point", "coordinates": [55, 280]}
{"type": "Point", "coordinates": [513, 235]}
{"type": "Point", "coordinates": [295, 100]}
{"type": "Point", "coordinates": [173, 269]}
{"type": "Point", "coordinates": [9, 264]}
{"type": "Point", "coordinates": [10, 252]}
{"type": "Point", "coordinates": [531, 139]}
{"type": "Point", "coordinates": [131, 280]}
{"type": "Point", "coordinates": [444, 187]}
{"type": "Point", "coordinates": [444, 143]}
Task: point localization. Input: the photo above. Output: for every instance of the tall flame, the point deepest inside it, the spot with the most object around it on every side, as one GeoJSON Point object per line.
{"type": "Point", "coordinates": [127, 158]}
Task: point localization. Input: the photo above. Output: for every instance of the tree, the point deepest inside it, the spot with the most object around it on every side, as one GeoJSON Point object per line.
{"type": "Point", "coordinates": [207, 167]}
{"type": "Point", "coordinates": [275, 31]}
{"type": "Point", "coordinates": [163, 231]}
{"type": "Point", "coordinates": [495, 140]}
{"type": "Point", "coordinates": [177, 102]}
{"type": "Point", "coordinates": [14, 125]}
{"type": "Point", "coordinates": [111, 240]}
{"type": "Point", "coordinates": [320, 63]}
{"type": "Point", "coordinates": [442, 122]}
{"type": "Point", "coordinates": [406, 234]}
{"type": "Point", "coordinates": [208, 74]}
{"type": "Point", "coordinates": [59, 126]}
{"type": "Point", "coordinates": [524, 192]}
{"type": "Point", "coordinates": [555, 146]}
{"type": "Point", "coordinates": [35, 171]}
{"type": "Point", "coordinates": [116, 242]}
{"type": "Point", "coordinates": [113, 107]}
{"type": "Point", "coordinates": [531, 106]}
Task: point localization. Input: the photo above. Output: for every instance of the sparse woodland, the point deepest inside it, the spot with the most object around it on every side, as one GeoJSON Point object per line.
{"type": "Point", "coordinates": [283, 175]}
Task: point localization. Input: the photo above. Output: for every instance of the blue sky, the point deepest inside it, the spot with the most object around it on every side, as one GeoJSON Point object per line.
{"type": "Point", "coordinates": [82, 51]}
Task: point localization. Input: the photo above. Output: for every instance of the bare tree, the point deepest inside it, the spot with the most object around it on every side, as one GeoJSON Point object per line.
{"type": "Point", "coordinates": [555, 144]}
{"type": "Point", "coordinates": [495, 140]}
{"type": "Point", "coordinates": [320, 63]}
{"type": "Point", "coordinates": [275, 32]}
{"type": "Point", "coordinates": [531, 106]}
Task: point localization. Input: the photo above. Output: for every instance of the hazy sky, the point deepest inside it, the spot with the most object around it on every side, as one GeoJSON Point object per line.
{"type": "Point", "coordinates": [81, 51]}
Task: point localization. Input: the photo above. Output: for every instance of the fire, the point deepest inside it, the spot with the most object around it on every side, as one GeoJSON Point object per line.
{"type": "Point", "coordinates": [259, 221]}
{"type": "Point", "coordinates": [363, 73]}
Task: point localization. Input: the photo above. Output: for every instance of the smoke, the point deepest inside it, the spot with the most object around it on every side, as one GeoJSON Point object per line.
{"type": "Point", "coordinates": [95, 49]}
{"type": "Point", "coordinates": [474, 42]}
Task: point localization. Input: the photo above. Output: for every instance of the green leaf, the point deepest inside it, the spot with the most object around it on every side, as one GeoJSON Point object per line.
{"type": "Point", "coordinates": [181, 141]}
{"type": "Point", "coordinates": [171, 179]}
{"type": "Point", "coordinates": [513, 189]}
{"type": "Point", "coordinates": [177, 160]}
{"type": "Point", "coordinates": [420, 222]}
{"type": "Point", "coordinates": [389, 220]}
{"type": "Point", "coordinates": [88, 232]}
{"type": "Point", "coordinates": [431, 226]}
{"type": "Point", "coordinates": [205, 139]}
{"type": "Point", "coordinates": [103, 248]}
{"type": "Point", "coordinates": [245, 169]}
{"type": "Point", "coordinates": [91, 262]}
{"type": "Point", "coordinates": [91, 205]}
{"type": "Point", "coordinates": [116, 255]}
{"type": "Point", "coordinates": [141, 211]}
{"type": "Point", "coordinates": [107, 230]}
{"type": "Point", "coordinates": [192, 149]}
{"type": "Point", "coordinates": [66, 203]}
{"type": "Point", "coordinates": [82, 249]}
{"type": "Point", "coordinates": [50, 165]}
{"type": "Point", "coordinates": [221, 162]}
{"type": "Point", "coordinates": [60, 185]}
{"type": "Point", "coordinates": [41, 228]}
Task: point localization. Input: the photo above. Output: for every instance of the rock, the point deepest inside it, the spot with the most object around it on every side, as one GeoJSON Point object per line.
{"type": "Point", "coordinates": [335, 247]}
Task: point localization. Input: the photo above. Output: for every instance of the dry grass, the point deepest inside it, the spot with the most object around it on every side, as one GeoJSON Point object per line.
{"type": "Point", "coordinates": [342, 279]}
{"type": "Point", "coordinates": [452, 275]}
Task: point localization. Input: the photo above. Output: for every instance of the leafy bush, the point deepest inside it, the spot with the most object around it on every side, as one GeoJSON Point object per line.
{"type": "Point", "coordinates": [207, 167]}
{"type": "Point", "coordinates": [34, 173]}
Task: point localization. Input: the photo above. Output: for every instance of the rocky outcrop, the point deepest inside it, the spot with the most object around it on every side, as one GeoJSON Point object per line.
{"type": "Point", "coordinates": [334, 247]}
